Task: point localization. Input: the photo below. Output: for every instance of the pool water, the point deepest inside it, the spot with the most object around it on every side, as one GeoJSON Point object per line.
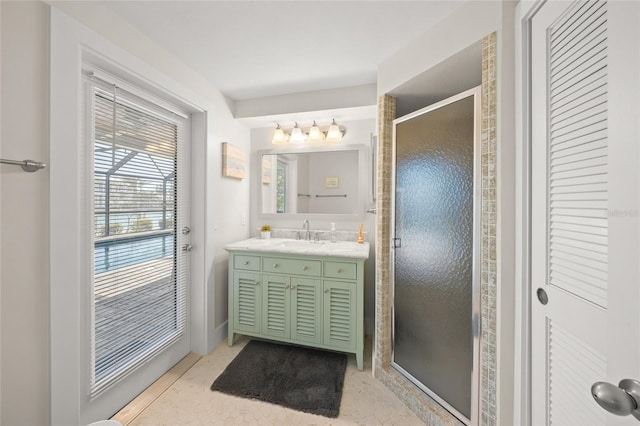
{"type": "Point", "coordinates": [119, 254]}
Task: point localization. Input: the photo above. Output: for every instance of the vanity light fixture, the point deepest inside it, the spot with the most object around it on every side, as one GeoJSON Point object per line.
{"type": "Point", "coordinates": [298, 135]}
{"type": "Point", "coordinates": [279, 136]}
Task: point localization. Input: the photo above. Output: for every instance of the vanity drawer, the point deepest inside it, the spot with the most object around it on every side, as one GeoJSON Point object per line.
{"type": "Point", "coordinates": [312, 268]}
{"type": "Point", "coordinates": [247, 263]}
{"type": "Point", "coordinates": [344, 270]}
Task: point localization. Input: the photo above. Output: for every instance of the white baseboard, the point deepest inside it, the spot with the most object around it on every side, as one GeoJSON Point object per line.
{"type": "Point", "coordinates": [219, 334]}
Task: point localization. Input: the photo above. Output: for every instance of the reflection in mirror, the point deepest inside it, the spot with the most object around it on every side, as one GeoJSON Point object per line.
{"type": "Point", "coordinates": [310, 182]}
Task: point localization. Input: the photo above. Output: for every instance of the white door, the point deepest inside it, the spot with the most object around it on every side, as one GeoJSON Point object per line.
{"type": "Point", "coordinates": [585, 210]}
{"type": "Point", "coordinates": [120, 174]}
{"type": "Point", "coordinates": [137, 246]}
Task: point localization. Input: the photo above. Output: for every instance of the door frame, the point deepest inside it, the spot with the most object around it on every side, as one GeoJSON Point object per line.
{"type": "Point", "coordinates": [71, 45]}
{"type": "Point", "coordinates": [476, 321]}
{"type": "Point", "coordinates": [525, 12]}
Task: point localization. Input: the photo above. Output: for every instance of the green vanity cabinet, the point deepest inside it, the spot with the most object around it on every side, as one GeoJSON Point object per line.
{"type": "Point", "coordinates": [300, 299]}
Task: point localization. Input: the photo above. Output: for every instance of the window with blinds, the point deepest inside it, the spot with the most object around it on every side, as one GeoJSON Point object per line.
{"type": "Point", "coordinates": [139, 275]}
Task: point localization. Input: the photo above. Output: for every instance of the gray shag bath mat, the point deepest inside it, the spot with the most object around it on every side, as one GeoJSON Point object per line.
{"type": "Point", "coordinates": [304, 379]}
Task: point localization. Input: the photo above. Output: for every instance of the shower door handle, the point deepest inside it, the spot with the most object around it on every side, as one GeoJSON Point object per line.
{"type": "Point", "coordinates": [397, 243]}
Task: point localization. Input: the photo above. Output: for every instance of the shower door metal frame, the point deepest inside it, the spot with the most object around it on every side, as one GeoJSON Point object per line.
{"type": "Point", "coordinates": [476, 264]}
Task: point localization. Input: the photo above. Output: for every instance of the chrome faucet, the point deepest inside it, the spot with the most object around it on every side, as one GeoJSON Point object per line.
{"type": "Point", "coordinates": [307, 232]}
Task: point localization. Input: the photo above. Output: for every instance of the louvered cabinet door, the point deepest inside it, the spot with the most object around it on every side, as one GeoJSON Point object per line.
{"type": "Point", "coordinates": [275, 306]}
{"type": "Point", "coordinates": [247, 297]}
{"type": "Point", "coordinates": [306, 310]}
{"type": "Point", "coordinates": [339, 323]}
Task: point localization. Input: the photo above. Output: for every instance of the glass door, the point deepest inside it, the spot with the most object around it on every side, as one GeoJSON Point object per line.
{"type": "Point", "coordinates": [139, 240]}
{"type": "Point", "coordinates": [435, 251]}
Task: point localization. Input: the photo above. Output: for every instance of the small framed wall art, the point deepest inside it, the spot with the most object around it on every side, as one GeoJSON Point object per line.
{"type": "Point", "coordinates": [331, 182]}
{"type": "Point", "coordinates": [233, 161]}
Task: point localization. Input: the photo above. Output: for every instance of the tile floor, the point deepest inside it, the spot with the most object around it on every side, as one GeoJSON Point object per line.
{"type": "Point", "coordinates": [189, 401]}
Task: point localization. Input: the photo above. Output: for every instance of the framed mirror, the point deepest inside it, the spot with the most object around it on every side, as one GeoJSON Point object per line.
{"type": "Point", "coordinates": [326, 181]}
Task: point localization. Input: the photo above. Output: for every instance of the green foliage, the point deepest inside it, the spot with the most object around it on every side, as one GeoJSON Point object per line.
{"type": "Point", "coordinates": [142, 224]}
{"type": "Point", "coordinates": [114, 229]}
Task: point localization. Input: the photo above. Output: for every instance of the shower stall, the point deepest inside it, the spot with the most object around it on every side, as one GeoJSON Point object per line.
{"type": "Point", "coordinates": [435, 251]}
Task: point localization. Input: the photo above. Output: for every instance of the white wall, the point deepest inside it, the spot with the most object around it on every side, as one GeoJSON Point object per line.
{"type": "Point", "coordinates": [25, 336]}
{"type": "Point", "coordinates": [339, 165]}
{"type": "Point", "coordinates": [358, 133]}
{"type": "Point", "coordinates": [24, 284]}
{"type": "Point", "coordinates": [296, 103]}
{"type": "Point", "coordinates": [227, 199]}
{"type": "Point", "coordinates": [464, 27]}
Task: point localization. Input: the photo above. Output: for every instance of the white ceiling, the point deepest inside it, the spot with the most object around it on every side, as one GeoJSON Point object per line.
{"type": "Point", "coordinates": [254, 49]}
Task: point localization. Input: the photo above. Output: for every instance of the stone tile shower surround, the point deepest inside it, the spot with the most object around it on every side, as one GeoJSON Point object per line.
{"type": "Point", "coordinates": [488, 289]}
{"type": "Point", "coordinates": [425, 407]}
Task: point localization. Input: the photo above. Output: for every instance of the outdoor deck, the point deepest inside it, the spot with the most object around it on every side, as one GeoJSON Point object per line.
{"type": "Point", "coordinates": [145, 294]}
{"type": "Point", "coordinates": [145, 273]}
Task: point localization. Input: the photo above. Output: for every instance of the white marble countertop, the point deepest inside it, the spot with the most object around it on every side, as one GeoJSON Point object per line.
{"type": "Point", "coordinates": [312, 248]}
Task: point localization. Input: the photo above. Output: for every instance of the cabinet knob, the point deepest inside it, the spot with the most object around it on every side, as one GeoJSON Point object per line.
{"type": "Point", "coordinates": [246, 262]}
{"type": "Point", "coordinates": [257, 282]}
{"type": "Point", "coordinates": [275, 265]}
{"type": "Point", "coordinates": [326, 290]}
{"type": "Point", "coordinates": [338, 270]}
{"type": "Point", "coordinates": [293, 287]}
{"type": "Point", "coordinates": [286, 286]}
{"type": "Point", "coordinates": [305, 267]}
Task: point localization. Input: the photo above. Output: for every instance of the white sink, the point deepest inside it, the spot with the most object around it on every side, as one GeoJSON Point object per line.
{"type": "Point", "coordinates": [304, 247]}
{"type": "Point", "coordinates": [302, 243]}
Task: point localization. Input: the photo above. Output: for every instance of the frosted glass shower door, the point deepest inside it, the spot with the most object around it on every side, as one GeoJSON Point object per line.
{"type": "Point", "coordinates": [435, 343]}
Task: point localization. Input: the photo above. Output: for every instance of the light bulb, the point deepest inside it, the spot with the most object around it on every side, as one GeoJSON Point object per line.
{"type": "Point", "coordinates": [279, 136]}
{"type": "Point", "coordinates": [296, 135]}
{"type": "Point", "coordinates": [314, 133]}
{"type": "Point", "coordinates": [334, 134]}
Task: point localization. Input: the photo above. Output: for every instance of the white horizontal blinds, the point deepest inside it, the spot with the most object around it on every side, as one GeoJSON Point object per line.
{"type": "Point", "coordinates": [578, 152]}
{"type": "Point", "coordinates": [139, 275]}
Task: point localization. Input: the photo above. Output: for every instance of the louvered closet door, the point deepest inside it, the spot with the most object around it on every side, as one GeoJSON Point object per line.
{"type": "Point", "coordinates": [585, 285]}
